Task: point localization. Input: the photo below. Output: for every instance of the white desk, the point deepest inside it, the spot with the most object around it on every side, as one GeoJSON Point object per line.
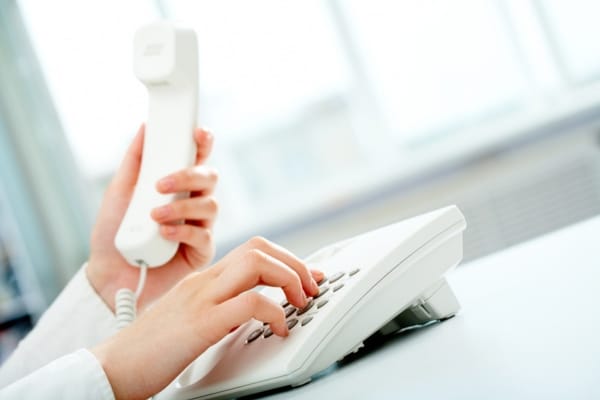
{"type": "Point", "coordinates": [529, 328]}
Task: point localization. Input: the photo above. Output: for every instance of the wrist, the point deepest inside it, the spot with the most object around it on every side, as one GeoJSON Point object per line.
{"type": "Point", "coordinates": [103, 284]}
{"type": "Point", "coordinates": [114, 369]}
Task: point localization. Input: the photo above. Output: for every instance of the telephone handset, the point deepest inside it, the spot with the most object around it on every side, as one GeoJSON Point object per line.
{"type": "Point", "coordinates": [379, 281]}
{"type": "Point", "coordinates": [166, 62]}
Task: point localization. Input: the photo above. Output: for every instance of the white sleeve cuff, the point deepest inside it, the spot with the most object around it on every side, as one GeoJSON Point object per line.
{"type": "Point", "coordinates": [78, 318]}
{"type": "Point", "coordinates": [78, 375]}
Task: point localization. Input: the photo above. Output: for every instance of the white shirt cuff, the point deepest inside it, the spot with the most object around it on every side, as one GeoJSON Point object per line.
{"type": "Point", "coordinates": [78, 375]}
{"type": "Point", "coordinates": [77, 319]}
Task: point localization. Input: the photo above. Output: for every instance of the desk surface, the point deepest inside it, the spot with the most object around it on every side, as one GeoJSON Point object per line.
{"type": "Point", "coordinates": [529, 328]}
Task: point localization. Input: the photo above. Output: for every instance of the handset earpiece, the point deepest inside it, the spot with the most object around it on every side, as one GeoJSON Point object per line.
{"type": "Point", "coordinates": [166, 62]}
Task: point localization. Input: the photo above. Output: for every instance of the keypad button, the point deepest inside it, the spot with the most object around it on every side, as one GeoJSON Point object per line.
{"type": "Point", "coordinates": [308, 306]}
{"type": "Point", "coordinates": [268, 332]}
{"type": "Point", "coordinates": [322, 281]}
{"type": "Point", "coordinates": [338, 287]}
{"type": "Point", "coordinates": [254, 335]}
{"type": "Point", "coordinates": [322, 303]}
{"type": "Point", "coordinates": [322, 291]}
{"type": "Point", "coordinates": [336, 277]}
{"type": "Point", "coordinates": [292, 323]}
{"type": "Point", "coordinates": [353, 272]}
{"type": "Point", "coordinates": [306, 321]}
{"type": "Point", "coordinates": [285, 303]}
{"type": "Point", "coordinates": [289, 311]}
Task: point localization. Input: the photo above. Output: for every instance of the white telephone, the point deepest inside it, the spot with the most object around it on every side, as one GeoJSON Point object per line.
{"type": "Point", "coordinates": [166, 62]}
{"type": "Point", "coordinates": [378, 281]}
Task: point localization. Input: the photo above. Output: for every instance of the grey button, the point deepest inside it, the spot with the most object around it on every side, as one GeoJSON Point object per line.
{"type": "Point", "coordinates": [254, 335]}
{"type": "Point", "coordinates": [268, 332]}
{"type": "Point", "coordinates": [308, 306]}
{"type": "Point", "coordinates": [336, 277]}
{"type": "Point", "coordinates": [338, 287]}
{"type": "Point", "coordinates": [322, 281]}
{"type": "Point", "coordinates": [322, 303]}
{"type": "Point", "coordinates": [322, 291]}
{"type": "Point", "coordinates": [306, 320]}
{"type": "Point", "coordinates": [292, 323]}
{"type": "Point", "coordinates": [353, 272]}
{"type": "Point", "coordinates": [289, 311]}
{"type": "Point", "coordinates": [285, 303]}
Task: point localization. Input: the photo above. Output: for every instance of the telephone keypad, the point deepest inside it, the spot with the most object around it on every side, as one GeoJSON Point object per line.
{"type": "Point", "coordinates": [323, 290]}
{"type": "Point", "coordinates": [338, 287]}
{"type": "Point", "coordinates": [308, 306]}
{"type": "Point", "coordinates": [336, 277]}
{"type": "Point", "coordinates": [291, 320]}
{"type": "Point", "coordinates": [289, 311]}
{"type": "Point", "coordinates": [268, 332]}
{"type": "Point", "coordinates": [292, 323]}
{"type": "Point", "coordinates": [254, 335]}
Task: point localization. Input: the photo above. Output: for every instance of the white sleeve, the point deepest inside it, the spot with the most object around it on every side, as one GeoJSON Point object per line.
{"type": "Point", "coordinates": [77, 319]}
{"type": "Point", "coordinates": [78, 375]}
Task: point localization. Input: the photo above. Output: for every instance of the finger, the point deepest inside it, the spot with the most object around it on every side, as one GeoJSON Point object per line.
{"type": "Point", "coordinates": [247, 305]}
{"type": "Point", "coordinates": [200, 208]}
{"type": "Point", "coordinates": [197, 237]}
{"type": "Point", "coordinates": [317, 275]}
{"type": "Point", "coordinates": [259, 268]}
{"type": "Point", "coordinates": [129, 169]}
{"type": "Point", "coordinates": [195, 179]}
{"type": "Point", "coordinates": [204, 141]}
{"type": "Point", "coordinates": [280, 253]}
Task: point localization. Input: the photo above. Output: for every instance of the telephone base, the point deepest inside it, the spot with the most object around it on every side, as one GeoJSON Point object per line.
{"type": "Point", "coordinates": [304, 382]}
{"type": "Point", "coordinates": [438, 303]}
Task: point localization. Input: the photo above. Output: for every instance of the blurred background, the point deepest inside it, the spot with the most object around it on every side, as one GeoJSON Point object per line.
{"type": "Point", "coordinates": [331, 117]}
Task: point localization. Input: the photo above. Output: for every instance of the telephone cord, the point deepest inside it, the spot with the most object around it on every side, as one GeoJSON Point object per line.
{"type": "Point", "coordinates": [126, 299]}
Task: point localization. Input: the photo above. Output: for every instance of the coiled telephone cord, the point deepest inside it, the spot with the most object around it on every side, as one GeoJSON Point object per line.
{"type": "Point", "coordinates": [126, 299]}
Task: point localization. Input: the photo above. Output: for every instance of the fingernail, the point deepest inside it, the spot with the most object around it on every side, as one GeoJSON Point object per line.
{"type": "Point", "coordinates": [207, 132]}
{"type": "Point", "coordinates": [315, 287]}
{"type": "Point", "coordinates": [162, 212]}
{"type": "Point", "coordinates": [167, 183]}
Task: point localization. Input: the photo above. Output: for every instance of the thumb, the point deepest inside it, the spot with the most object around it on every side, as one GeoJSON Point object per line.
{"type": "Point", "coordinates": [128, 171]}
{"type": "Point", "coordinates": [204, 143]}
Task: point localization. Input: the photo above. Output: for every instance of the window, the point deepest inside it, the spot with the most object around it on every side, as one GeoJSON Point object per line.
{"type": "Point", "coordinates": [313, 101]}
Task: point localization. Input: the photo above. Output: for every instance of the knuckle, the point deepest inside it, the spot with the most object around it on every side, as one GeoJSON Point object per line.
{"type": "Point", "coordinates": [212, 205]}
{"type": "Point", "coordinates": [254, 257]}
{"type": "Point", "coordinates": [189, 173]}
{"type": "Point", "coordinates": [295, 281]}
{"type": "Point", "coordinates": [252, 300]}
{"type": "Point", "coordinates": [258, 242]}
{"type": "Point", "coordinates": [212, 175]}
{"type": "Point", "coordinates": [205, 236]}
